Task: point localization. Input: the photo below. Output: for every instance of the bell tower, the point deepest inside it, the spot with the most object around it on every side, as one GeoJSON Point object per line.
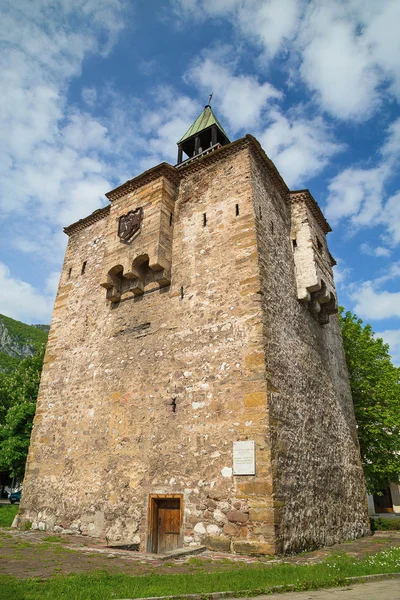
{"type": "Point", "coordinates": [204, 136]}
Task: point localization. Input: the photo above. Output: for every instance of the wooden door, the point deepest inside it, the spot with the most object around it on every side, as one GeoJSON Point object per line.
{"type": "Point", "coordinates": [384, 503]}
{"type": "Point", "coordinates": [168, 524]}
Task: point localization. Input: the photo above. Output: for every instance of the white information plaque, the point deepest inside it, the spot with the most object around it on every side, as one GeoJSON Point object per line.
{"type": "Point", "coordinates": [244, 458]}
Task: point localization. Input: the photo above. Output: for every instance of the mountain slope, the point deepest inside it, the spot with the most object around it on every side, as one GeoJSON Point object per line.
{"type": "Point", "coordinates": [18, 340]}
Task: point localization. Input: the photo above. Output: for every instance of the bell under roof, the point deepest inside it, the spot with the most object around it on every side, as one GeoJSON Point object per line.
{"type": "Point", "coordinates": [203, 121]}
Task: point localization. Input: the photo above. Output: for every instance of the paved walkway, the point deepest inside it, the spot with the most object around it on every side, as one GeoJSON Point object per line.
{"type": "Point", "coordinates": [388, 589]}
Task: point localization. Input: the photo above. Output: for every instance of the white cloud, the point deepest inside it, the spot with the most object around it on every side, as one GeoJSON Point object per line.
{"type": "Point", "coordinates": [300, 147]}
{"type": "Point", "coordinates": [54, 159]}
{"type": "Point", "coordinates": [20, 300]}
{"type": "Point", "coordinates": [240, 98]}
{"type": "Point", "coordinates": [379, 251]}
{"type": "Point", "coordinates": [89, 96]}
{"type": "Point", "coordinates": [391, 337]}
{"type": "Point", "coordinates": [165, 124]}
{"type": "Point", "coordinates": [337, 63]}
{"type": "Point", "coordinates": [356, 193]}
{"type": "Point", "coordinates": [391, 218]}
{"type": "Point", "coordinates": [359, 194]}
{"type": "Point", "coordinates": [341, 272]}
{"type": "Point", "coordinates": [267, 23]}
{"type": "Point", "coordinates": [48, 150]}
{"type": "Point", "coordinates": [270, 25]}
{"type": "Point", "coordinates": [346, 52]}
{"type": "Point", "coordinates": [391, 148]}
{"type": "Point", "coordinates": [371, 302]}
{"type": "Point", "coordinates": [52, 282]}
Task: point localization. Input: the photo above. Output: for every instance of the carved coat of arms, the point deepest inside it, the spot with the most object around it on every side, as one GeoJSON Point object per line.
{"type": "Point", "coordinates": [129, 224]}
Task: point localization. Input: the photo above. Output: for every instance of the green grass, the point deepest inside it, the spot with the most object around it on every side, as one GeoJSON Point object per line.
{"type": "Point", "coordinates": [7, 514]}
{"type": "Point", "coordinates": [101, 585]}
{"type": "Point", "coordinates": [194, 560]}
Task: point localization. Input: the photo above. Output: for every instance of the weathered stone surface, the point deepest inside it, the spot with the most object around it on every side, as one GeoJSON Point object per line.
{"type": "Point", "coordinates": [213, 529]}
{"type": "Point", "coordinates": [236, 516]}
{"type": "Point", "coordinates": [199, 528]}
{"type": "Point", "coordinates": [231, 529]}
{"type": "Point", "coordinates": [262, 514]}
{"type": "Point", "coordinates": [255, 488]}
{"type": "Point", "coordinates": [219, 516]}
{"type": "Point", "coordinates": [255, 399]}
{"type": "Point", "coordinates": [200, 341]}
{"type": "Point", "coordinates": [252, 547]}
{"type": "Point", "coordinates": [218, 544]}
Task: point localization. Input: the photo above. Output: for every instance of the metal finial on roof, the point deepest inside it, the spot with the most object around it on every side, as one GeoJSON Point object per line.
{"type": "Point", "coordinates": [210, 98]}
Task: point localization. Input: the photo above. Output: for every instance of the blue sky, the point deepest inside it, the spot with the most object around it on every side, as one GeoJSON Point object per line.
{"type": "Point", "coordinates": [96, 91]}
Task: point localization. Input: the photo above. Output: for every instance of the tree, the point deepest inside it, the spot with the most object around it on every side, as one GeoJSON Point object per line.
{"type": "Point", "coordinates": [18, 393]}
{"type": "Point", "coordinates": [375, 387]}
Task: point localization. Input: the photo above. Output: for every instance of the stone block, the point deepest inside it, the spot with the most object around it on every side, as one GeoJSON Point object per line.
{"type": "Point", "coordinates": [255, 488]}
{"type": "Point", "coordinates": [217, 544]}
{"type": "Point", "coordinates": [257, 359]}
{"type": "Point", "coordinates": [231, 529]}
{"type": "Point", "coordinates": [236, 516]}
{"type": "Point", "coordinates": [242, 547]}
{"type": "Point", "coordinates": [219, 516]}
{"type": "Point", "coordinates": [267, 531]}
{"type": "Point", "coordinates": [261, 514]}
{"type": "Point", "coordinates": [255, 399]}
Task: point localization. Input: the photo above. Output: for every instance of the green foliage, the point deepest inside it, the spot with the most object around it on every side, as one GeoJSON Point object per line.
{"type": "Point", "coordinates": [18, 393]}
{"type": "Point", "coordinates": [7, 514]}
{"type": "Point", "coordinates": [21, 335]}
{"type": "Point", "coordinates": [382, 524]}
{"type": "Point", "coordinates": [7, 362]}
{"type": "Point", "coordinates": [375, 387]}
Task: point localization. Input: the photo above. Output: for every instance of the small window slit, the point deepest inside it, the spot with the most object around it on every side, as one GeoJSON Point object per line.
{"type": "Point", "coordinates": [260, 213]}
{"type": "Point", "coordinates": [237, 210]}
{"type": "Point", "coordinates": [204, 219]}
{"type": "Point", "coordinates": [83, 267]}
{"type": "Point", "coordinates": [170, 219]}
{"type": "Point", "coordinates": [69, 273]}
{"type": "Point", "coordinates": [182, 292]}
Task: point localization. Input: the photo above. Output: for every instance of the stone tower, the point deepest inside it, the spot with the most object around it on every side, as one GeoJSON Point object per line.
{"type": "Point", "coordinates": [195, 389]}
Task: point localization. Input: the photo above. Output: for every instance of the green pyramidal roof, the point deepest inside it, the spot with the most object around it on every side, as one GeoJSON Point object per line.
{"type": "Point", "coordinates": [206, 119]}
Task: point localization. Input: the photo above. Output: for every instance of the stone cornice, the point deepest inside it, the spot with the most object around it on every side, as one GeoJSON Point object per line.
{"type": "Point", "coordinates": [82, 223]}
{"type": "Point", "coordinates": [163, 169]}
{"type": "Point", "coordinates": [306, 197]}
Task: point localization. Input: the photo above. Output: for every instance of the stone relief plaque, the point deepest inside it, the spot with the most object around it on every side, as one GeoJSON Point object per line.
{"type": "Point", "coordinates": [129, 224]}
{"type": "Point", "coordinates": [244, 462]}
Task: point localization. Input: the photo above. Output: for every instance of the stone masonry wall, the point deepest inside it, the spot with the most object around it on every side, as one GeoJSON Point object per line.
{"type": "Point", "coordinates": [318, 484]}
{"type": "Point", "coordinates": [146, 396]}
